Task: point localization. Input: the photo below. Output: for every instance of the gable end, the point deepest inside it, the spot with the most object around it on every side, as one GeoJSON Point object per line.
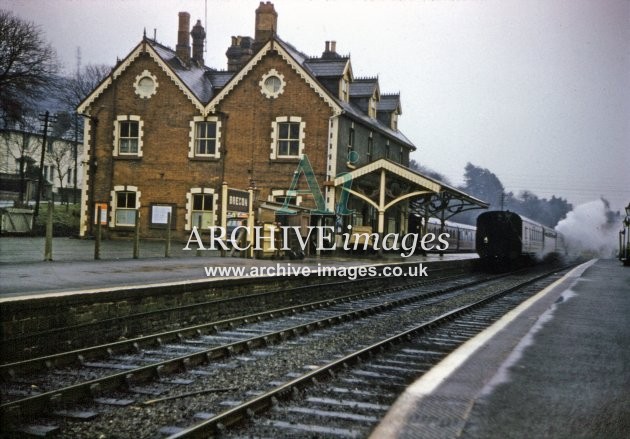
{"type": "Point", "coordinates": [143, 47]}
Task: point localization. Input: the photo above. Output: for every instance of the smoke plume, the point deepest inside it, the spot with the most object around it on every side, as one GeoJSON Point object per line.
{"type": "Point", "coordinates": [586, 230]}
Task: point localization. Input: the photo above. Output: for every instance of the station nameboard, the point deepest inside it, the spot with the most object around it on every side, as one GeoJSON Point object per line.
{"type": "Point", "coordinates": [237, 200]}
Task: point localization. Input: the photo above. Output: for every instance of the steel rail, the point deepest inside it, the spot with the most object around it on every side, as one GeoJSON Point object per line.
{"type": "Point", "coordinates": [209, 303]}
{"type": "Point", "coordinates": [39, 404]}
{"type": "Point", "coordinates": [12, 370]}
{"type": "Point", "coordinates": [215, 425]}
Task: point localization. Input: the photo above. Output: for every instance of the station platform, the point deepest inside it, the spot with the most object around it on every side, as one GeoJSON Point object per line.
{"type": "Point", "coordinates": [73, 269]}
{"type": "Point", "coordinates": [558, 366]}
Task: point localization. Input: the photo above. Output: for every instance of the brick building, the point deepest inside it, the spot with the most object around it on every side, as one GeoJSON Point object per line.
{"type": "Point", "coordinates": [166, 133]}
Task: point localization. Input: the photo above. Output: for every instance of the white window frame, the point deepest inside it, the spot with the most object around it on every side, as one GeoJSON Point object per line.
{"type": "Point", "coordinates": [145, 94]}
{"type": "Point", "coordinates": [114, 204]}
{"type": "Point", "coordinates": [117, 135]}
{"type": "Point", "coordinates": [275, 137]}
{"type": "Point", "coordinates": [189, 206]}
{"type": "Point", "coordinates": [193, 137]}
{"type": "Point", "coordinates": [272, 94]}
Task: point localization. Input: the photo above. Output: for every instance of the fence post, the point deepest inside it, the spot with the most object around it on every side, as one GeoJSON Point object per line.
{"type": "Point", "coordinates": [49, 233]}
{"type": "Point", "coordinates": [97, 237]}
{"type": "Point", "coordinates": [136, 236]}
{"type": "Point", "coordinates": [167, 250]}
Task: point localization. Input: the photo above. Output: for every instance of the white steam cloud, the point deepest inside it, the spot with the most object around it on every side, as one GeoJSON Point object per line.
{"type": "Point", "coordinates": [586, 230]}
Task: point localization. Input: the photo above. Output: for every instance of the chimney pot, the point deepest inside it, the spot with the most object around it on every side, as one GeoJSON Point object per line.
{"type": "Point", "coordinates": [333, 46]}
{"type": "Point", "coordinates": [183, 38]}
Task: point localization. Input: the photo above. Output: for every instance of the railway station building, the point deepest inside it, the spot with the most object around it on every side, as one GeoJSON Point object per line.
{"type": "Point", "coordinates": [276, 133]}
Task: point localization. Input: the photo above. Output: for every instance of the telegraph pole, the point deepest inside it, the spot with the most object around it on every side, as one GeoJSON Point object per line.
{"type": "Point", "coordinates": [40, 187]}
{"type": "Point", "coordinates": [76, 147]}
{"type": "Point", "coordinates": [76, 131]}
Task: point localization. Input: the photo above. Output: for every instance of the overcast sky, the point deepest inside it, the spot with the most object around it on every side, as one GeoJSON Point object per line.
{"type": "Point", "coordinates": [536, 91]}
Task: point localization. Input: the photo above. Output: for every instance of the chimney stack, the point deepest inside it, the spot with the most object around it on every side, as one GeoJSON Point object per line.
{"type": "Point", "coordinates": [239, 52]}
{"type": "Point", "coordinates": [266, 23]}
{"type": "Point", "coordinates": [198, 35]}
{"type": "Point", "coordinates": [183, 38]}
{"type": "Point", "coordinates": [331, 50]}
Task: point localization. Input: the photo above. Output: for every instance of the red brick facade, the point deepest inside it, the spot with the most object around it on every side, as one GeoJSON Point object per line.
{"type": "Point", "coordinates": [163, 171]}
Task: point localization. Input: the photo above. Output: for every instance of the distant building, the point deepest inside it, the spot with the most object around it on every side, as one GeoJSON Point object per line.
{"type": "Point", "coordinates": [167, 133]}
{"type": "Point", "coordinates": [21, 144]}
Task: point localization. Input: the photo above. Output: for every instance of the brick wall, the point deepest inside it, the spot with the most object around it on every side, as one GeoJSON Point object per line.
{"type": "Point", "coordinates": [250, 117]}
{"type": "Point", "coordinates": [165, 173]}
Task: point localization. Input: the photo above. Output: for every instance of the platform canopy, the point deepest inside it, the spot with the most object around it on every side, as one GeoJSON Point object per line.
{"type": "Point", "coordinates": [384, 183]}
{"type": "Point", "coordinates": [449, 202]}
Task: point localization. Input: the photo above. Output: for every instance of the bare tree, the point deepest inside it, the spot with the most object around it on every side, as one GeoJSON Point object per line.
{"type": "Point", "coordinates": [27, 63]}
{"type": "Point", "coordinates": [83, 83]}
{"type": "Point", "coordinates": [72, 92]}
{"type": "Point", "coordinates": [60, 156]}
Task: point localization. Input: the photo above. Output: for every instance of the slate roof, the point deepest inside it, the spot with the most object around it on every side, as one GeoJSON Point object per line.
{"type": "Point", "coordinates": [389, 102]}
{"type": "Point", "coordinates": [353, 111]}
{"type": "Point", "coordinates": [219, 78]}
{"type": "Point", "coordinates": [366, 87]}
{"type": "Point", "coordinates": [327, 68]}
{"type": "Point", "coordinates": [205, 83]}
{"type": "Point", "coordinates": [194, 77]}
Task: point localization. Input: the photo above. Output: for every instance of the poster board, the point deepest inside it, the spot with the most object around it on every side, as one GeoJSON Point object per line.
{"type": "Point", "coordinates": [158, 215]}
{"type": "Point", "coordinates": [103, 207]}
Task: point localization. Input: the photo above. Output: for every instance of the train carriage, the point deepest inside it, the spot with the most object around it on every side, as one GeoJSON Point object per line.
{"type": "Point", "coordinates": [505, 236]}
{"type": "Point", "coordinates": [461, 236]}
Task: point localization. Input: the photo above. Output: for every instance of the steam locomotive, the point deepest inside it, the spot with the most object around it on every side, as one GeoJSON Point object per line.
{"type": "Point", "coordinates": [505, 237]}
{"type": "Point", "coordinates": [501, 238]}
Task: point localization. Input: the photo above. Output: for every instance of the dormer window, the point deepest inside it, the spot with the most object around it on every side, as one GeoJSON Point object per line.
{"type": "Point", "coordinates": [372, 107]}
{"type": "Point", "coordinates": [394, 119]}
{"type": "Point", "coordinates": [345, 90]}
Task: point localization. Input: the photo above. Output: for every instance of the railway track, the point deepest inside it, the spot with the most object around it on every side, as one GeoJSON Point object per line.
{"type": "Point", "coordinates": [169, 380]}
{"type": "Point", "coordinates": [347, 397]}
{"type": "Point", "coordinates": [219, 305]}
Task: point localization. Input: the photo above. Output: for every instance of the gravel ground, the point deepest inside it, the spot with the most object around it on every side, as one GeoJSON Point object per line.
{"type": "Point", "coordinates": [251, 376]}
